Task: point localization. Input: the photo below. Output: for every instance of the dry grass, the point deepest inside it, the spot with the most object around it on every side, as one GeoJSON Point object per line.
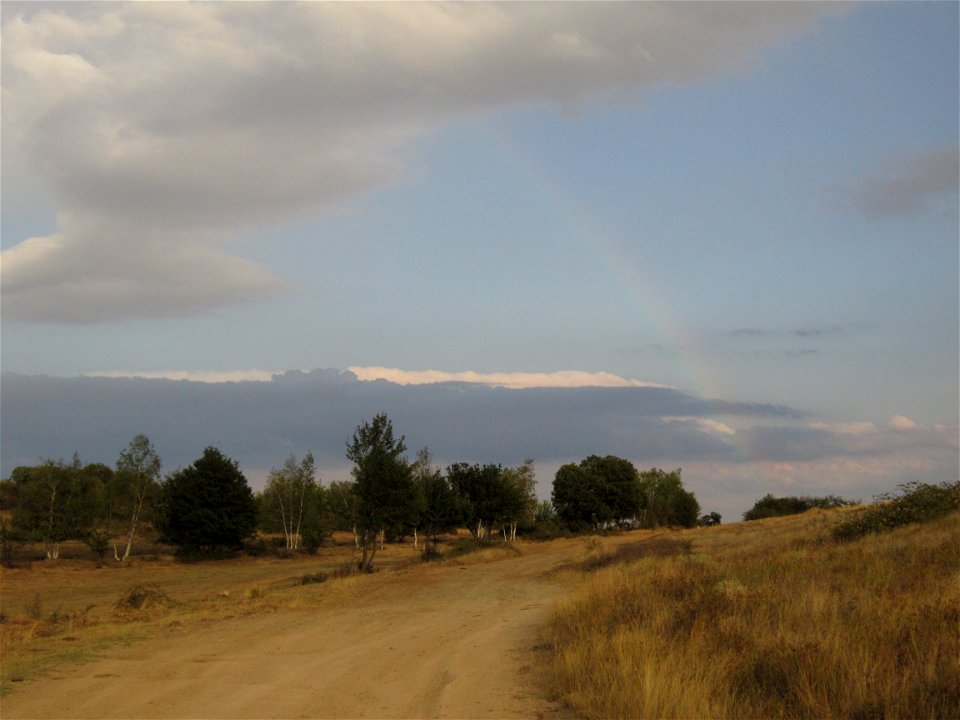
{"type": "Point", "coordinates": [61, 612]}
{"type": "Point", "coordinates": [768, 619]}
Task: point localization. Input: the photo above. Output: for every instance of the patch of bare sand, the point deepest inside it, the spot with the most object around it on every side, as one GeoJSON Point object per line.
{"type": "Point", "coordinates": [441, 641]}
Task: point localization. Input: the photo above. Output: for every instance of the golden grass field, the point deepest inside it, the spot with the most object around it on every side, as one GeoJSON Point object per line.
{"type": "Point", "coordinates": [767, 619]}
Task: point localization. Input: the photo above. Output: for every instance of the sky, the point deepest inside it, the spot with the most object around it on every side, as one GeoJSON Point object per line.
{"type": "Point", "coordinates": [716, 236]}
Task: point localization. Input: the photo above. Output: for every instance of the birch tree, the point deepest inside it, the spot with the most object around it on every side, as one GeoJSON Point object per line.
{"type": "Point", "coordinates": [42, 513]}
{"type": "Point", "coordinates": [519, 499]}
{"type": "Point", "coordinates": [138, 479]}
{"type": "Point", "coordinates": [290, 491]}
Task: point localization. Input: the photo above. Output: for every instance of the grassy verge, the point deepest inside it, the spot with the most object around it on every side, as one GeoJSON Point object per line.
{"type": "Point", "coordinates": [768, 619]}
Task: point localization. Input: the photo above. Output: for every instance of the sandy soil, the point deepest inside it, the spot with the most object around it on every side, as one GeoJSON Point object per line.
{"type": "Point", "coordinates": [444, 641]}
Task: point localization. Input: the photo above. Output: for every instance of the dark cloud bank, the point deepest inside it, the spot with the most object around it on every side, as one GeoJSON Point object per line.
{"type": "Point", "coordinates": [260, 423]}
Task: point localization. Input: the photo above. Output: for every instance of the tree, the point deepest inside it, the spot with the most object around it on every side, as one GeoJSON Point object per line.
{"type": "Point", "coordinates": [207, 506]}
{"type": "Point", "coordinates": [479, 492]}
{"type": "Point", "coordinates": [137, 481]}
{"type": "Point", "coordinates": [314, 528]}
{"type": "Point", "coordinates": [518, 502]}
{"type": "Point", "coordinates": [709, 520]}
{"type": "Point", "coordinates": [440, 510]}
{"type": "Point", "coordinates": [343, 503]}
{"type": "Point", "coordinates": [618, 485]}
{"type": "Point", "coordinates": [666, 500]}
{"type": "Point", "coordinates": [597, 492]}
{"type": "Point", "coordinates": [578, 498]}
{"type": "Point", "coordinates": [384, 484]}
{"type": "Point", "coordinates": [57, 501]}
{"type": "Point", "coordinates": [290, 491]}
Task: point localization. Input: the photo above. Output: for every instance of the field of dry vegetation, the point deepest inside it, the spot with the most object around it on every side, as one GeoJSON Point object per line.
{"type": "Point", "coordinates": [769, 619]}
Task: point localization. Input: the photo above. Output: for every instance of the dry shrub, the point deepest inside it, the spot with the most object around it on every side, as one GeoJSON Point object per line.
{"type": "Point", "coordinates": [141, 597]}
{"type": "Point", "coordinates": [312, 578]}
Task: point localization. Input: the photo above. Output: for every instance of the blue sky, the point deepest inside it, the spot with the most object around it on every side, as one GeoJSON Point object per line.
{"type": "Point", "coordinates": [747, 202]}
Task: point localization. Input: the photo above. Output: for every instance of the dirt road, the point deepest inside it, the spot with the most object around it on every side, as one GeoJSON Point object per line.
{"type": "Point", "coordinates": [442, 641]}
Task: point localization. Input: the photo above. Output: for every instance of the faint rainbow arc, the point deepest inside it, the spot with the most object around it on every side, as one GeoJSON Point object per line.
{"type": "Point", "coordinates": [634, 282]}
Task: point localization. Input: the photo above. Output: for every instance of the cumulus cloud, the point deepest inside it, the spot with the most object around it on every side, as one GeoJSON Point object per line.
{"type": "Point", "coordinates": [905, 185]}
{"type": "Point", "coordinates": [163, 130]}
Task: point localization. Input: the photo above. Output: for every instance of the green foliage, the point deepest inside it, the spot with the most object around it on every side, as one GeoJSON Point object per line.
{"type": "Point", "coordinates": [545, 512]}
{"type": "Point", "coordinates": [207, 507]}
{"type": "Point", "coordinates": [386, 497]}
{"type": "Point", "coordinates": [578, 499]}
{"type": "Point", "coordinates": [342, 503]}
{"type": "Point", "coordinates": [619, 486]}
{"type": "Point", "coordinates": [8, 495]}
{"type": "Point", "coordinates": [916, 502]}
{"type": "Point", "coordinates": [709, 520]}
{"type": "Point", "coordinates": [293, 501]}
{"type": "Point", "coordinates": [133, 489]}
{"type": "Point", "coordinates": [667, 502]}
{"type": "Point", "coordinates": [439, 511]}
{"type": "Point", "coordinates": [770, 506]}
{"type": "Point", "coordinates": [8, 539]}
{"type": "Point", "coordinates": [56, 501]}
{"type": "Point", "coordinates": [480, 494]}
{"type": "Point", "coordinates": [315, 527]}
{"type": "Point", "coordinates": [597, 492]}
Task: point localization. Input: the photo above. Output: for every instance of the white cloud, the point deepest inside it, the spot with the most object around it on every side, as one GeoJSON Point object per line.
{"type": "Point", "coordinates": [901, 422]}
{"type": "Point", "coordinates": [162, 130]}
{"type": "Point", "coordinates": [204, 376]}
{"type": "Point", "coordinates": [516, 380]}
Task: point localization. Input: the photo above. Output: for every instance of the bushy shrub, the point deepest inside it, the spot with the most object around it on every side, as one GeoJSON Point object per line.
{"type": "Point", "coordinates": [915, 502]}
{"type": "Point", "coordinates": [430, 552]}
{"type": "Point", "coordinates": [770, 506]}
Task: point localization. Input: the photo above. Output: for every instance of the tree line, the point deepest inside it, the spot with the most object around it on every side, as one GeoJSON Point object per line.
{"type": "Point", "coordinates": [209, 506]}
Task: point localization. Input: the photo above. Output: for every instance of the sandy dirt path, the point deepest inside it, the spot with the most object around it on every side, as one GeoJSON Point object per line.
{"type": "Point", "coordinates": [442, 641]}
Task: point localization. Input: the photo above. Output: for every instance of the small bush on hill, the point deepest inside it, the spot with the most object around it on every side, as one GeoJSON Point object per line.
{"type": "Point", "coordinates": [770, 506]}
{"type": "Point", "coordinates": [916, 502]}
{"type": "Point", "coordinates": [312, 578]}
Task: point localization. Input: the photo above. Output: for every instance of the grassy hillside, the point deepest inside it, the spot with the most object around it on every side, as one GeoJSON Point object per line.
{"type": "Point", "coordinates": [771, 618]}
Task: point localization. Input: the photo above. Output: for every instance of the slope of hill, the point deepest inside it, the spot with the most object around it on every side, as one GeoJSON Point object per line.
{"type": "Point", "coordinates": [772, 618]}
